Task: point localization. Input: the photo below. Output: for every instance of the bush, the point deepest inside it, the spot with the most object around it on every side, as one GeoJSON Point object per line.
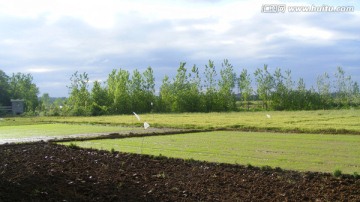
{"type": "Point", "coordinates": [337, 173]}
{"type": "Point", "coordinates": [73, 146]}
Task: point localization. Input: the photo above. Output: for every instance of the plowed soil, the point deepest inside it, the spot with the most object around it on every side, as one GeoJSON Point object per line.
{"type": "Point", "coordinates": [49, 172]}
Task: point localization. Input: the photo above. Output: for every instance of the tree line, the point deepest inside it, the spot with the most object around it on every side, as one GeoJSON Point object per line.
{"type": "Point", "coordinates": [192, 89]}
{"type": "Point", "coordinates": [18, 86]}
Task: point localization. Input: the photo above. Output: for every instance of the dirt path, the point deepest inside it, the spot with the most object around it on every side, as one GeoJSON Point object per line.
{"type": "Point", "coordinates": [125, 133]}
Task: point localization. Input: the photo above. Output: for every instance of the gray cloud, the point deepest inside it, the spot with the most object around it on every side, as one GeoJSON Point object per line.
{"type": "Point", "coordinates": [52, 50]}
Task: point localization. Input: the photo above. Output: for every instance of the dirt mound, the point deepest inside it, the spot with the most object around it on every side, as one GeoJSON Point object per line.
{"type": "Point", "coordinates": [50, 172]}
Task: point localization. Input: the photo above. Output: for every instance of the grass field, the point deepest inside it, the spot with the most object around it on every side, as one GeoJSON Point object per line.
{"type": "Point", "coordinates": [304, 152]}
{"type": "Point", "coordinates": [322, 121]}
{"type": "Point", "coordinates": [293, 148]}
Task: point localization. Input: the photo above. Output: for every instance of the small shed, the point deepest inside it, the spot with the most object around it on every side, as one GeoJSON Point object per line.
{"type": "Point", "coordinates": [17, 106]}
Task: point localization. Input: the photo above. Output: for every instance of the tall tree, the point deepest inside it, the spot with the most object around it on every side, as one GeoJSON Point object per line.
{"type": "Point", "coordinates": [181, 90]}
{"type": "Point", "coordinates": [265, 84]}
{"type": "Point", "coordinates": [79, 100]}
{"type": "Point", "coordinates": [245, 88]}
{"type": "Point", "coordinates": [4, 89]}
{"type": "Point", "coordinates": [137, 93]}
{"type": "Point", "coordinates": [289, 86]}
{"type": "Point", "coordinates": [149, 87]}
{"type": "Point", "coordinates": [22, 87]}
{"type": "Point", "coordinates": [166, 96]}
{"type": "Point", "coordinates": [45, 103]}
{"type": "Point", "coordinates": [195, 96]}
{"type": "Point", "coordinates": [118, 88]}
{"type": "Point", "coordinates": [210, 87]}
{"type": "Point", "coordinates": [301, 98]}
{"type": "Point", "coordinates": [279, 96]}
{"type": "Point", "coordinates": [356, 94]}
{"type": "Point", "coordinates": [343, 86]}
{"type": "Point", "coordinates": [323, 86]}
{"type": "Point", "coordinates": [226, 85]}
{"type": "Point", "coordinates": [100, 100]}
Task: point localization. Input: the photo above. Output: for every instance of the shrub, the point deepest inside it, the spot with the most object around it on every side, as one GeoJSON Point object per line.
{"type": "Point", "coordinates": [73, 146]}
{"type": "Point", "coordinates": [337, 173]}
{"type": "Point", "coordinates": [266, 167]}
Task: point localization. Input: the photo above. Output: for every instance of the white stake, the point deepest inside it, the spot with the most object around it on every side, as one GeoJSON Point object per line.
{"type": "Point", "coordinates": [146, 125]}
{"type": "Point", "coordinates": [137, 116]}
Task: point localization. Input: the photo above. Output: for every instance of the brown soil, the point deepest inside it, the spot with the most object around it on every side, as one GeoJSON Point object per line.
{"type": "Point", "coordinates": [49, 172]}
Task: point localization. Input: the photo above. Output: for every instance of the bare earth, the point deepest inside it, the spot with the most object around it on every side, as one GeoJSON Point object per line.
{"type": "Point", "coordinates": [43, 171]}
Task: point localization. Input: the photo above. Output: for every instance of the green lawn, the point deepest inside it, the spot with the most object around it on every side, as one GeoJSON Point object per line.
{"type": "Point", "coordinates": [321, 121]}
{"type": "Point", "coordinates": [304, 152]}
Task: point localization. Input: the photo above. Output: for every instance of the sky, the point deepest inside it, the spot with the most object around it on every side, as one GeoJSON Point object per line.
{"type": "Point", "coordinates": [51, 40]}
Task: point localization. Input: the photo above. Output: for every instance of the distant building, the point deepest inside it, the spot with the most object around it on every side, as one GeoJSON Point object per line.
{"type": "Point", "coordinates": [17, 106]}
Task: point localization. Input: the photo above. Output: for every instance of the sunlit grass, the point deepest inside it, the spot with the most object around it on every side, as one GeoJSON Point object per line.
{"type": "Point", "coordinates": [304, 152]}
{"type": "Point", "coordinates": [322, 121]}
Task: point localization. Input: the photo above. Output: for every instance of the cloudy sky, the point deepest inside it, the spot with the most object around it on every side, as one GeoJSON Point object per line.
{"type": "Point", "coordinates": [53, 39]}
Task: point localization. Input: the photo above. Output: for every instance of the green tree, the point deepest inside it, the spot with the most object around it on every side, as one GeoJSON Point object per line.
{"type": "Point", "coordinates": [79, 102]}
{"type": "Point", "coordinates": [356, 94]}
{"type": "Point", "coordinates": [343, 88]}
{"type": "Point", "coordinates": [245, 88]}
{"type": "Point", "coordinates": [166, 96]}
{"type": "Point", "coordinates": [181, 90]}
{"type": "Point", "coordinates": [323, 86]}
{"type": "Point", "coordinates": [118, 90]}
{"type": "Point", "coordinates": [21, 86]}
{"type": "Point", "coordinates": [99, 99]}
{"type": "Point", "coordinates": [265, 84]}
{"type": "Point", "coordinates": [138, 93]}
{"type": "Point", "coordinates": [149, 87]}
{"type": "Point", "coordinates": [279, 96]}
{"type": "Point", "coordinates": [210, 87]}
{"type": "Point", "coordinates": [4, 89]}
{"type": "Point", "coordinates": [289, 86]}
{"type": "Point", "coordinates": [300, 97]}
{"type": "Point", "coordinates": [45, 103]}
{"type": "Point", "coordinates": [196, 103]}
{"type": "Point", "coordinates": [227, 98]}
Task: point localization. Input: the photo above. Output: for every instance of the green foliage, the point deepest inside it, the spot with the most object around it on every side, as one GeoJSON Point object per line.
{"type": "Point", "coordinates": [100, 100]}
{"type": "Point", "coordinates": [4, 89]}
{"type": "Point", "coordinates": [226, 84]}
{"type": "Point", "coordinates": [79, 102]}
{"type": "Point", "coordinates": [265, 84]}
{"type": "Point", "coordinates": [73, 146]}
{"type": "Point", "coordinates": [337, 173]}
{"type": "Point", "coordinates": [245, 88]}
{"type": "Point", "coordinates": [190, 91]}
{"type": "Point", "coordinates": [211, 95]}
{"type": "Point", "coordinates": [22, 87]}
{"type": "Point", "coordinates": [266, 168]}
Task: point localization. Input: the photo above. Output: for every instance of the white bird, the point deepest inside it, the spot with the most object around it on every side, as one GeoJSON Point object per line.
{"type": "Point", "coordinates": [137, 116]}
{"type": "Point", "coordinates": [268, 116]}
{"type": "Point", "coordinates": [146, 125]}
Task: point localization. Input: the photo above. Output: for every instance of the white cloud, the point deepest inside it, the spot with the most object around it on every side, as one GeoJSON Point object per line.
{"type": "Point", "coordinates": [306, 33]}
{"type": "Point", "coordinates": [44, 36]}
{"type": "Point", "coordinates": [40, 70]}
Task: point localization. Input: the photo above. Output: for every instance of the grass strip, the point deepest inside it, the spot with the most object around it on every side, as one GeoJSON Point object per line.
{"type": "Point", "coordinates": [303, 152]}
